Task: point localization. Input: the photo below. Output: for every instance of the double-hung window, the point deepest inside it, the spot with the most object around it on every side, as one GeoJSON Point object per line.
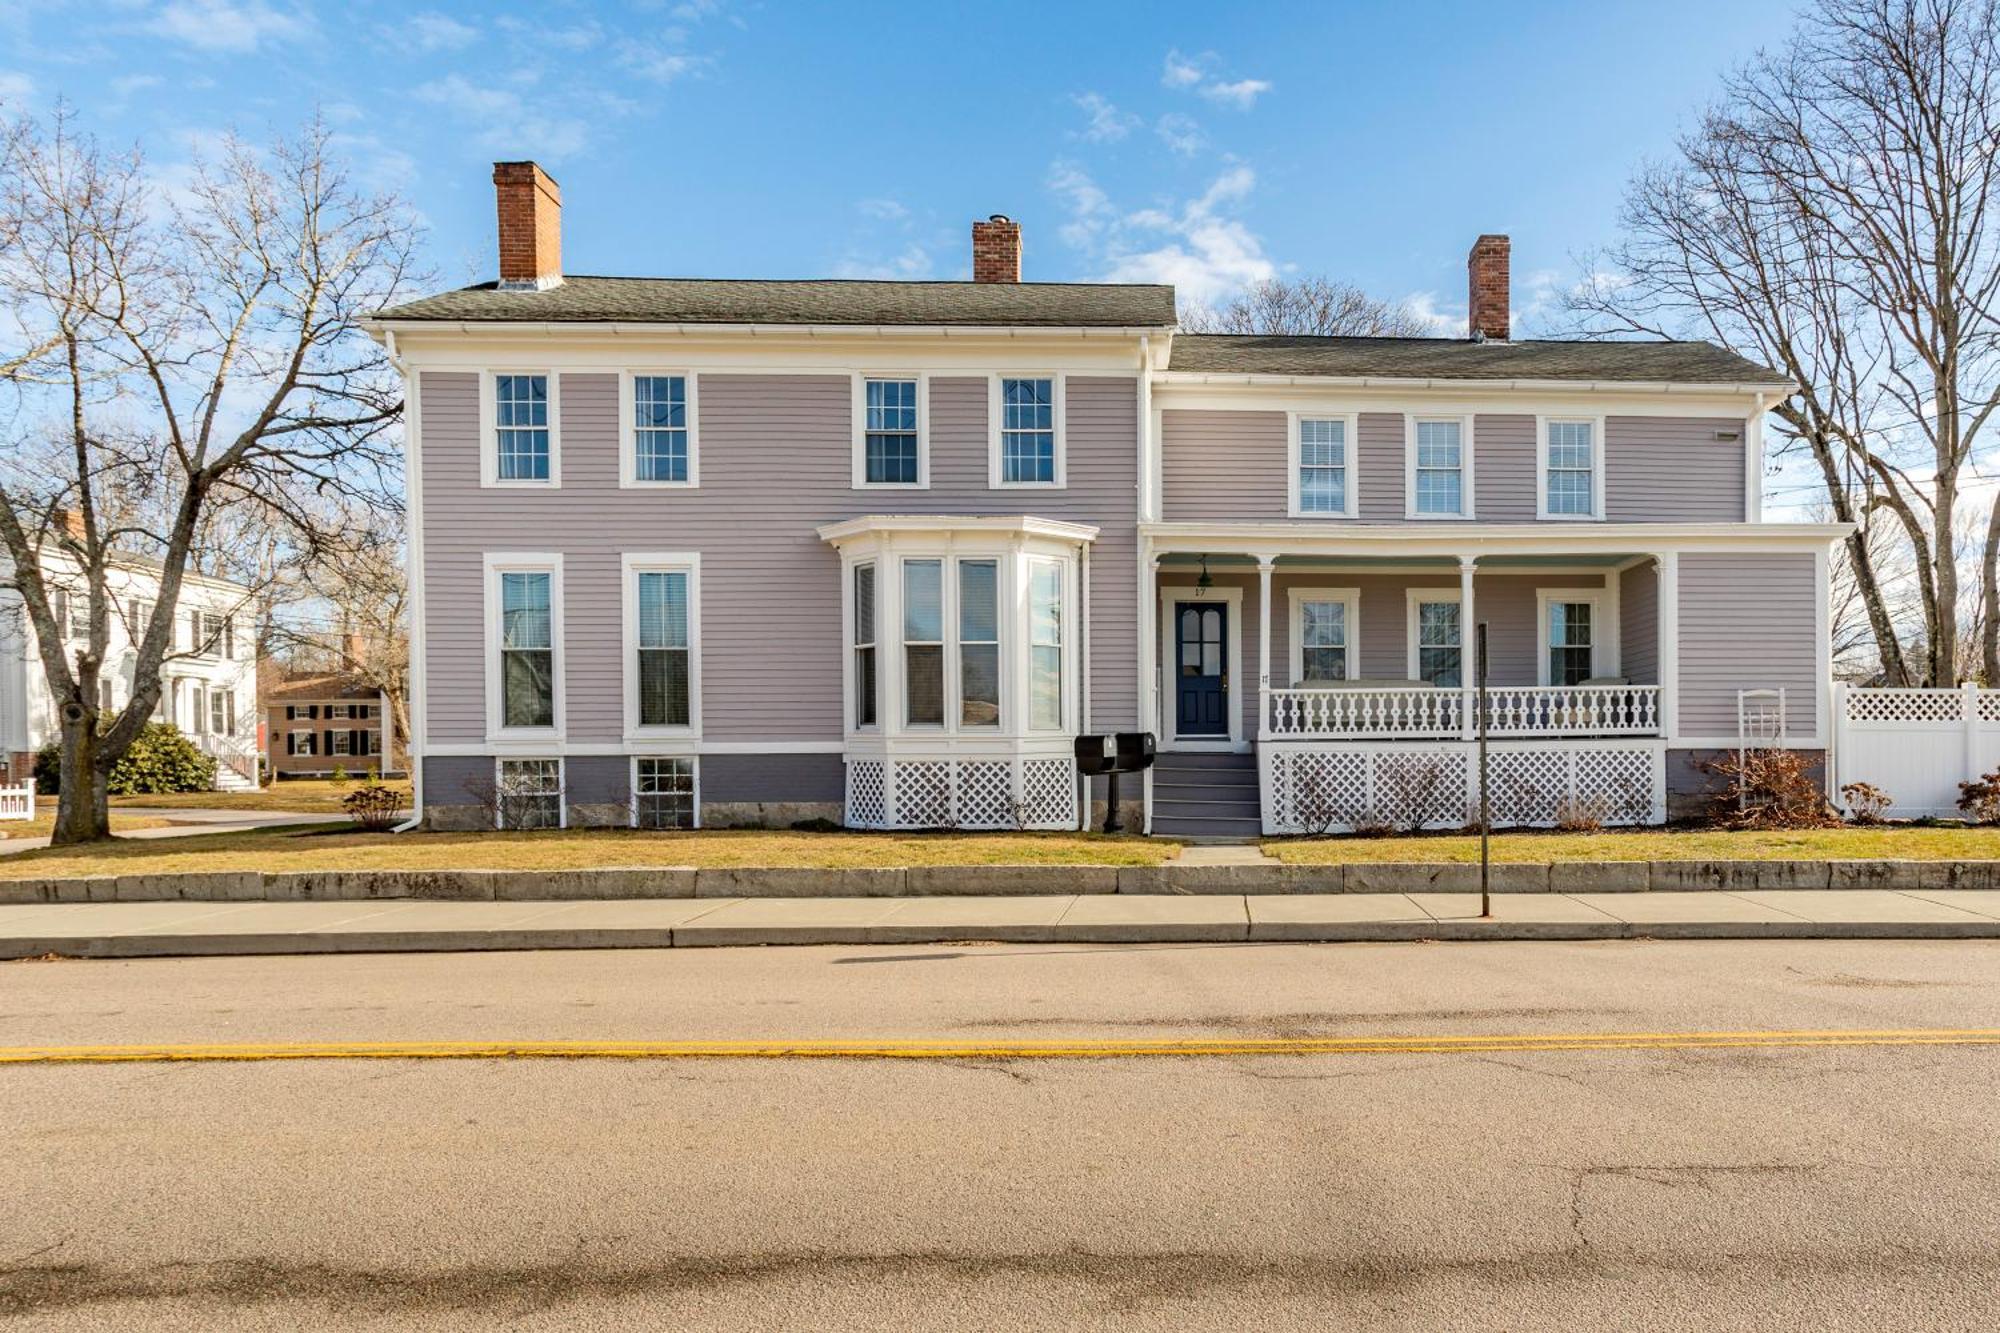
{"type": "Point", "coordinates": [1029, 444]}
{"type": "Point", "coordinates": [1045, 645]}
{"type": "Point", "coordinates": [301, 742]}
{"type": "Point", "coordinates": [529, 794]}
{"type": "Point", "coordinates": [1570, 623]}
{"type": "Point", "coordinates": [1569, 469]}
{"type": "Point", "coordinates": [1439, 472]}
{"type": "Point", "coordinates": [891, 433]}
{"type": "Point", "coordinates": [923, 643]}
{"type": "Point", "coordinates": [1323, 628]}
{"type": "Point", "coordinates": [660, 436]}
{"type": "Point", "coordinates": [222, 712]}
{"type": "Point", "coordinates": [1437, 642]}
{"type": "Point", "coordinates": [978, 643]}
{"type": "Point", "coordinates": [866, 686]}
{"type": "Point", "coordinates": [524, 624]}
{"type": "Point", "coordinates": [663, 793]}
{"type": "Point", "coordinates": [1324, 479]}
{"type": "Point", "coordinates": [662, 624]}
{"type": "Point", "coordinates": [522, 447]}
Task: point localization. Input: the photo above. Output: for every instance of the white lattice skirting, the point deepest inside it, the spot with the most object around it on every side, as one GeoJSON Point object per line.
{"type": "Point", "coordinates": [984, 793]}
{"type": "Point", "coordinates": [1334, 788]}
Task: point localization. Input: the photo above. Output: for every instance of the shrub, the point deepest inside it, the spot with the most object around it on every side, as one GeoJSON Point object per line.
{"type": "Point", "coordinates": [1582, 814]}
{"type": "Point", "coordinates": [374, 808]}
{"type": "Point", "coordinates": [1980, 800]}
{"type": "Point", "coordinates": [48, 769]}
{"type": "Point", "coordinates": [340, 775]}
{"type": "Point", "coordinates": [1865, 802]}
{"type": "Point", "coordinates": [1768, 789]}
{"type": "Point", "coordinates": [161, 760]}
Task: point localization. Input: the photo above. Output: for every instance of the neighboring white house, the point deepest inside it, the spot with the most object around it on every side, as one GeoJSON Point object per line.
{"type": "Point", "coordinates": [209, 678]}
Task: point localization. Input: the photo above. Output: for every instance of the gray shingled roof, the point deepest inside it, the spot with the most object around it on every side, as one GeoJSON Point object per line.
{"type": "Point", "coordinates": [1460, 359]}
{"type": "Point", "coordinates": [722, 301]}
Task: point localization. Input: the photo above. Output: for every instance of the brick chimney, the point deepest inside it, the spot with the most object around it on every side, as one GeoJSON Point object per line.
{"type": "Point", "coordinates": [996, 250]}
{"type": "Point", "coordinates": [1489, 289]}
{"type": "Point", "coordinates": [353, 647]}
{"type": "Point", "coordinates": [530, 226]}
{"type": "Point", "coordinates": [69, 521]}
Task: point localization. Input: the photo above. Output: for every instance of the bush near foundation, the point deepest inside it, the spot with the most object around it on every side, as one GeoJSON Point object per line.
{"type": "Point", "coordinates": [1768, 789]}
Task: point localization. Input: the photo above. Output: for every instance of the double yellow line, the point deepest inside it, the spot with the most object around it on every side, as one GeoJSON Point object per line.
{"type": "Point", "coordinates": [922, 1049]}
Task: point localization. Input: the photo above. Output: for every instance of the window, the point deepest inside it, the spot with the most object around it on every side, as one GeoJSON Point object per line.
{"type": "Point", "coordinates": [1437, 642]}
{"type": "Point", "coordinates": [105, 695]}
{"type": "Point", "coordinates": [892, 452]}
{"type": "Point", "coordinates": [923, 643]}
{"type": "Point", "coordinates": [663, 793]}
{"type": "Point", "coordinates": [71, 614]}
{"type": "Point", "coordinates": [337, 710]}
{"type": "Point", "coordinates": [1569, 459]}
{"type": "Point", "coordinates": [865, 684]}
{"type": "Point", "coordinates": [197, 709]}
{"type": "Point", "coordinates": [300, 742]}
{"type": "Point", "coordinates": [529, 794]}
{"type": "Point", "coordinates": [374, 741]}
{"type": "Point", "coordinates": [1438, 471]}
{"type": "Point", "coordinates": [340, 742]}
{"type": "Point", "coordinates": [663, 648]}
{"type": "Point", "coordinates": [521, 430]}
{"type": "Point", "coordinates": [1028, 449]}
{"type": "Point", "coordinates": [978, 643]}
{"type": "Point", "coordinates": [1570, 620]}
{"type": "Point", "coordinates": [659, 432]}
{"type": "Point", "coordinates": [222, 712]}
{"type": "Point", "coordinates": [138, 614]}
{"type": "Point", "coordinates": [1045, 648]}
{"type": "Point", "coordinates": [1323, 633]}
{"type": "Point", "coordinates": [527, 649]}
{"type": "Point", "coordinates": [227, 635]}
{"type": "Point", "coordinates": [1322, 473]}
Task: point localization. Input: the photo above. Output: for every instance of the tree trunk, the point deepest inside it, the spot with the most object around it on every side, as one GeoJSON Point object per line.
{"type": "Point", "coordinates": [83, 811]}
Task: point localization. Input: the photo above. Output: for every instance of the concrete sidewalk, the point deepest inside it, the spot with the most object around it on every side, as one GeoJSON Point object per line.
{"type": "Point", "coordinates": [143, 929]}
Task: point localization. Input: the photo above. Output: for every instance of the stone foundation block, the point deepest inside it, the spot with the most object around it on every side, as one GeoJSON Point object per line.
{"type": "Point", "coordinates": [794, 882]}
{"type": "Point", "coordinates": [1412, 877]}
{"type": "Point", "coordinates": [1008, 881]}
{"type": "Point", "coordinates": [1600, 876]}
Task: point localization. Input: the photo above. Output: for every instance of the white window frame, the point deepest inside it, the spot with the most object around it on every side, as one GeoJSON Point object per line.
{"type": "Point", "coordinates": [340, 743]}
{"type": "Point", "coordinates": [859, 410]}
{"type": "Point", "coordinates": [1467, 490]}
{"type": "Point", "coordinates": [947, 723]}
{"type": "Point", "coordinates": [1417, 597]}
{"type": "Point", "coordinates": [1596, 424]}
{"type": "Point", "coordinates": [1603, 647]}
{"type": "Point", "coordinates": [1065, 629]}
{"type": "Point", "coordinates": [631, 565]}
{"type": "Point", "coordinates": [227, 699]}
{"type": "Point", "coordinates": [311, 740]}
{"type": "Point", "coordinates": [632, 784]}
{"type": "Point", "coordinates": [1347, 597]}
{"type": "Point", "coordinates": [523, 742]}
{"type": "Point", "coordinates": [628, 429]}
{"type": "Point", "coordinates": [1295, 449]}
{"type": "Point", "coordinates": [562, 785]}
{"type": "Point", "coordinates": [1058, 409]}
{"type": "Point", "coordinates": [851, 619]}
{"type": "Point", "coordinates": [489, 431]}
{"type": "Point", "coordinates": [337, 712]}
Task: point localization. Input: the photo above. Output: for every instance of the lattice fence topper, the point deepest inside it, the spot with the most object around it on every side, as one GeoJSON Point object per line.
{"type": "Point", "coordinates": [1989, 705]}
{"type": "Point", "coordinates": [867, 794]}
{"type": "Point", "coordinates": [1913, 706]}
{"type": "Point", "coordinates": [985, 794]}
{"type": "Point", "coordinates": [1048, 792]}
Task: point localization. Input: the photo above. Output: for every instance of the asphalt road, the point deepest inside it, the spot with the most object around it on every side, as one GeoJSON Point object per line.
{"type": "Point", "coordinates": [1772, 1187]}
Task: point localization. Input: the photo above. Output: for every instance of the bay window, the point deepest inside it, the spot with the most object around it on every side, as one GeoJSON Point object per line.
{"type": "Point", "coordinates": [1045, 645]}
{"type": "Point", "coordinates": [978, 643]}
{"type": "Point", "coordinates": [865, 685]}
{"type": "Point", "coordinates": [923, 643]}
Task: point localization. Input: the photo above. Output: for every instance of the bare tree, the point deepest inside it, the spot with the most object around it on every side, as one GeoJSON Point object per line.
{"type": "Point", "coordinates": [1308, 306]}
{"type": "Point", "coordinates": [169, 355]}
{"type": "Point", "coordinates": [1832, 217]}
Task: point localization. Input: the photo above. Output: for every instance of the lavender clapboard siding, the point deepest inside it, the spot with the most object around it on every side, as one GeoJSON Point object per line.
{"type": "Point", "coordinates": [1747, 622]}
{"type": "Point", "coordinates": [1639, 624]}
{"type": "Point", "coordinates": [775, 458]}
{"type": "Point", "coordinates": [1673, 470]}
{"type": "Point", "coordinates": [1222, 465]}
{"type": "Point", "coordinates": [1378, 448]}
{"type": "Point", "coordinates": [1503, 468]}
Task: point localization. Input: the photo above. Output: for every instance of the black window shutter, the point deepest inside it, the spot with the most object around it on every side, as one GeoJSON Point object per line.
{"type": "Point", "coordinates": [291, 743]}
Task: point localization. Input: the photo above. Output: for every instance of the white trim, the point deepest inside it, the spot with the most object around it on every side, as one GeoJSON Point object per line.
{"type": "Point", "coordinates": [631, 564]}
{"type": "Point", "coordinates": [1792, 742]}
{"type": "Point", "coordinates": [1058, 409]}
{"type": "Point", "coordinates": [575, 749]}
{"type": "Point", "coordinates": [1232, 598]}
{"type": "Point", "coordinates": [948, 525]}
{"type": "Point", "coordinates": [1415, 597]}
{"type": "Point", "coordinates": [1667, 589]}
{"type": "Point", "coordinates": [1451, 538]}
{"type": "Point", "coordinates": [495, 564]}
{"type": "Point", "coordinates": [1753, 463]}
{"type": "Point", "coordinates": [1348, 597]}
{"type": "Point", "coordinates": [632, 783]}
{"type": "Point", "coordinates": [1598, 454]}
{"type": "Point", "coordinates": [1351, 486]}
{"type": "Point", "coordinates": [1599, 621]}
{"type": "Point", "coordinates": [628, 429]}
{"type": "Point", "coordinates": [489, 439]}
{"type": "Point", "coordinates": [1410, 384]}
{"type": "Point", "coordinates": [562, 785]}
{"type": "Point", "coordinates": [1467, 489]}
{"type": "Point", "coordinates": [858, 416]}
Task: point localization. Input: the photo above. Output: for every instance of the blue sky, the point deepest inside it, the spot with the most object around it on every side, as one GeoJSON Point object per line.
{"type": "Point", "coordinates": [1203, 144]}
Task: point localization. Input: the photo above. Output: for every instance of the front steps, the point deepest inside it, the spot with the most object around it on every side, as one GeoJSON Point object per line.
{"type": "Point", "coordinates": [1206, 795]}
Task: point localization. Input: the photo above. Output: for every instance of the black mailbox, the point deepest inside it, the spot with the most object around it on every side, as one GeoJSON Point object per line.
{"type": "Point", "coordinates": [1120, 752]}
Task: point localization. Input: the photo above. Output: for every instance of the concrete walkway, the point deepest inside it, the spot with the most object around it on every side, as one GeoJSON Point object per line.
{"type": "Point", "coordinates": [140, 929]}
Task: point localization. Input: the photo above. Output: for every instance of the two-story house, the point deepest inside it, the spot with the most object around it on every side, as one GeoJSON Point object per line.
{"type": "Point", "coordinates": [757, 551]}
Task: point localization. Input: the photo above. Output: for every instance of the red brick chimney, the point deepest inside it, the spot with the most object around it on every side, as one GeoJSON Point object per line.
{"type": "Point", "coordinates": [530, 225]}
{"type": "Point", "coordinates": [69, 520]}
{"type": "Point", "coordinates": [1489, 288]}
{"type": "Point", "coordinates": [996, 250]}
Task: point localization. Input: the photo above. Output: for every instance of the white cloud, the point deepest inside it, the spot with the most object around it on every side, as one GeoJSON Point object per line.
{"type": "Point", "coordinates": [511, 125]}
{"type": "Point", "coordinates": [661, 65]}
{"type": "Point", "coordinates": [1180, 71]}
{"type": "Point", "coordinates": [883, 210]}
{"type": "Point", "coordinates": [1444, 323]}
{"type": "Point", "coordinates": [1241, 94]}
{"type": "Point", "coordinates": [913, 264]}
{"type": "Point", "coordinates": [1181, 134]}
{"type": "Point", "coordinates": [1090, 211]}
{"type": "Point", "coordinates": [432, 31]}
{"type": "Point", "coordinates": [15, 87]}
{"type": "Point", "coordinates": [1197, 244]}
{"type": "Point", "coordinates": [220, 25]}
{"type": "Point", "coordinates": [1107, 124]}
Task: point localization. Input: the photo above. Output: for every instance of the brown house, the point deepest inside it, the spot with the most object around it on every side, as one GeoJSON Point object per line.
{"type": "Point", "coordinates": [319, 723]}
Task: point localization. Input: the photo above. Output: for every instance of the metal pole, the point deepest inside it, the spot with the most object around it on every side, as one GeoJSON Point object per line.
{"type": "Point", "coordinates": [1485, 801]}
{"type": "Point", "coordinates": [1111, 824]}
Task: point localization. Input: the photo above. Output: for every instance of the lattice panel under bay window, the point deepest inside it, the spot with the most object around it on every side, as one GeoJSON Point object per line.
{"type": "Point", "coordinates": [1048, 793]}
{"type": "Point", "coordinates": [867, 794]}
{"type": "Point", "coordinates": [985, 794]}
{"type": "Point", "coordinates": [923, 793]}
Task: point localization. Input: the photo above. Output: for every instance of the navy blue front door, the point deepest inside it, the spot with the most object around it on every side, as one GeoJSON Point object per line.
{"type": "Point", "coordinates": [1201, 682]}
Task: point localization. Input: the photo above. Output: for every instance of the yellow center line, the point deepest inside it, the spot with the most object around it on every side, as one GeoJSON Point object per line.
{"type": "Point", "coordinates": [935, 1049]}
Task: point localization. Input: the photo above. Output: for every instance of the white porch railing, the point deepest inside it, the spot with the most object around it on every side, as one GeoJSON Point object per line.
{"type": "Point", "coordinates": [1418, 713]}
{"type": "Point", "coordinates": [18, 802]}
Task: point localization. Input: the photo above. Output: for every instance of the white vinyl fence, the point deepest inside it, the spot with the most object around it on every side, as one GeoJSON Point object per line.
{"type": "Point", "coordinates": [1915, 745]}
{"type": "Point", "coordinates": [17, 802]}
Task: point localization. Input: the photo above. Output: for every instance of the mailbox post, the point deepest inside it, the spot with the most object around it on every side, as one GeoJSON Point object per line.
{"type": "Point", "coordinates": [1110, 755]}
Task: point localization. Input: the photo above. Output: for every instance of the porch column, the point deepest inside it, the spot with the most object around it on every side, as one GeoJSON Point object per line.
{"type": "Point", "coordinates": [1668, 589]}
{"type": "Point", "coordinates": [1468, 643]}
{"type": "Point", "coordinates": [1265, 563]}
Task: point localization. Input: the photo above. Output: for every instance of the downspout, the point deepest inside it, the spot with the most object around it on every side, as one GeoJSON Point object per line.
{"type": "Point", "coordinates": [413, 574]}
